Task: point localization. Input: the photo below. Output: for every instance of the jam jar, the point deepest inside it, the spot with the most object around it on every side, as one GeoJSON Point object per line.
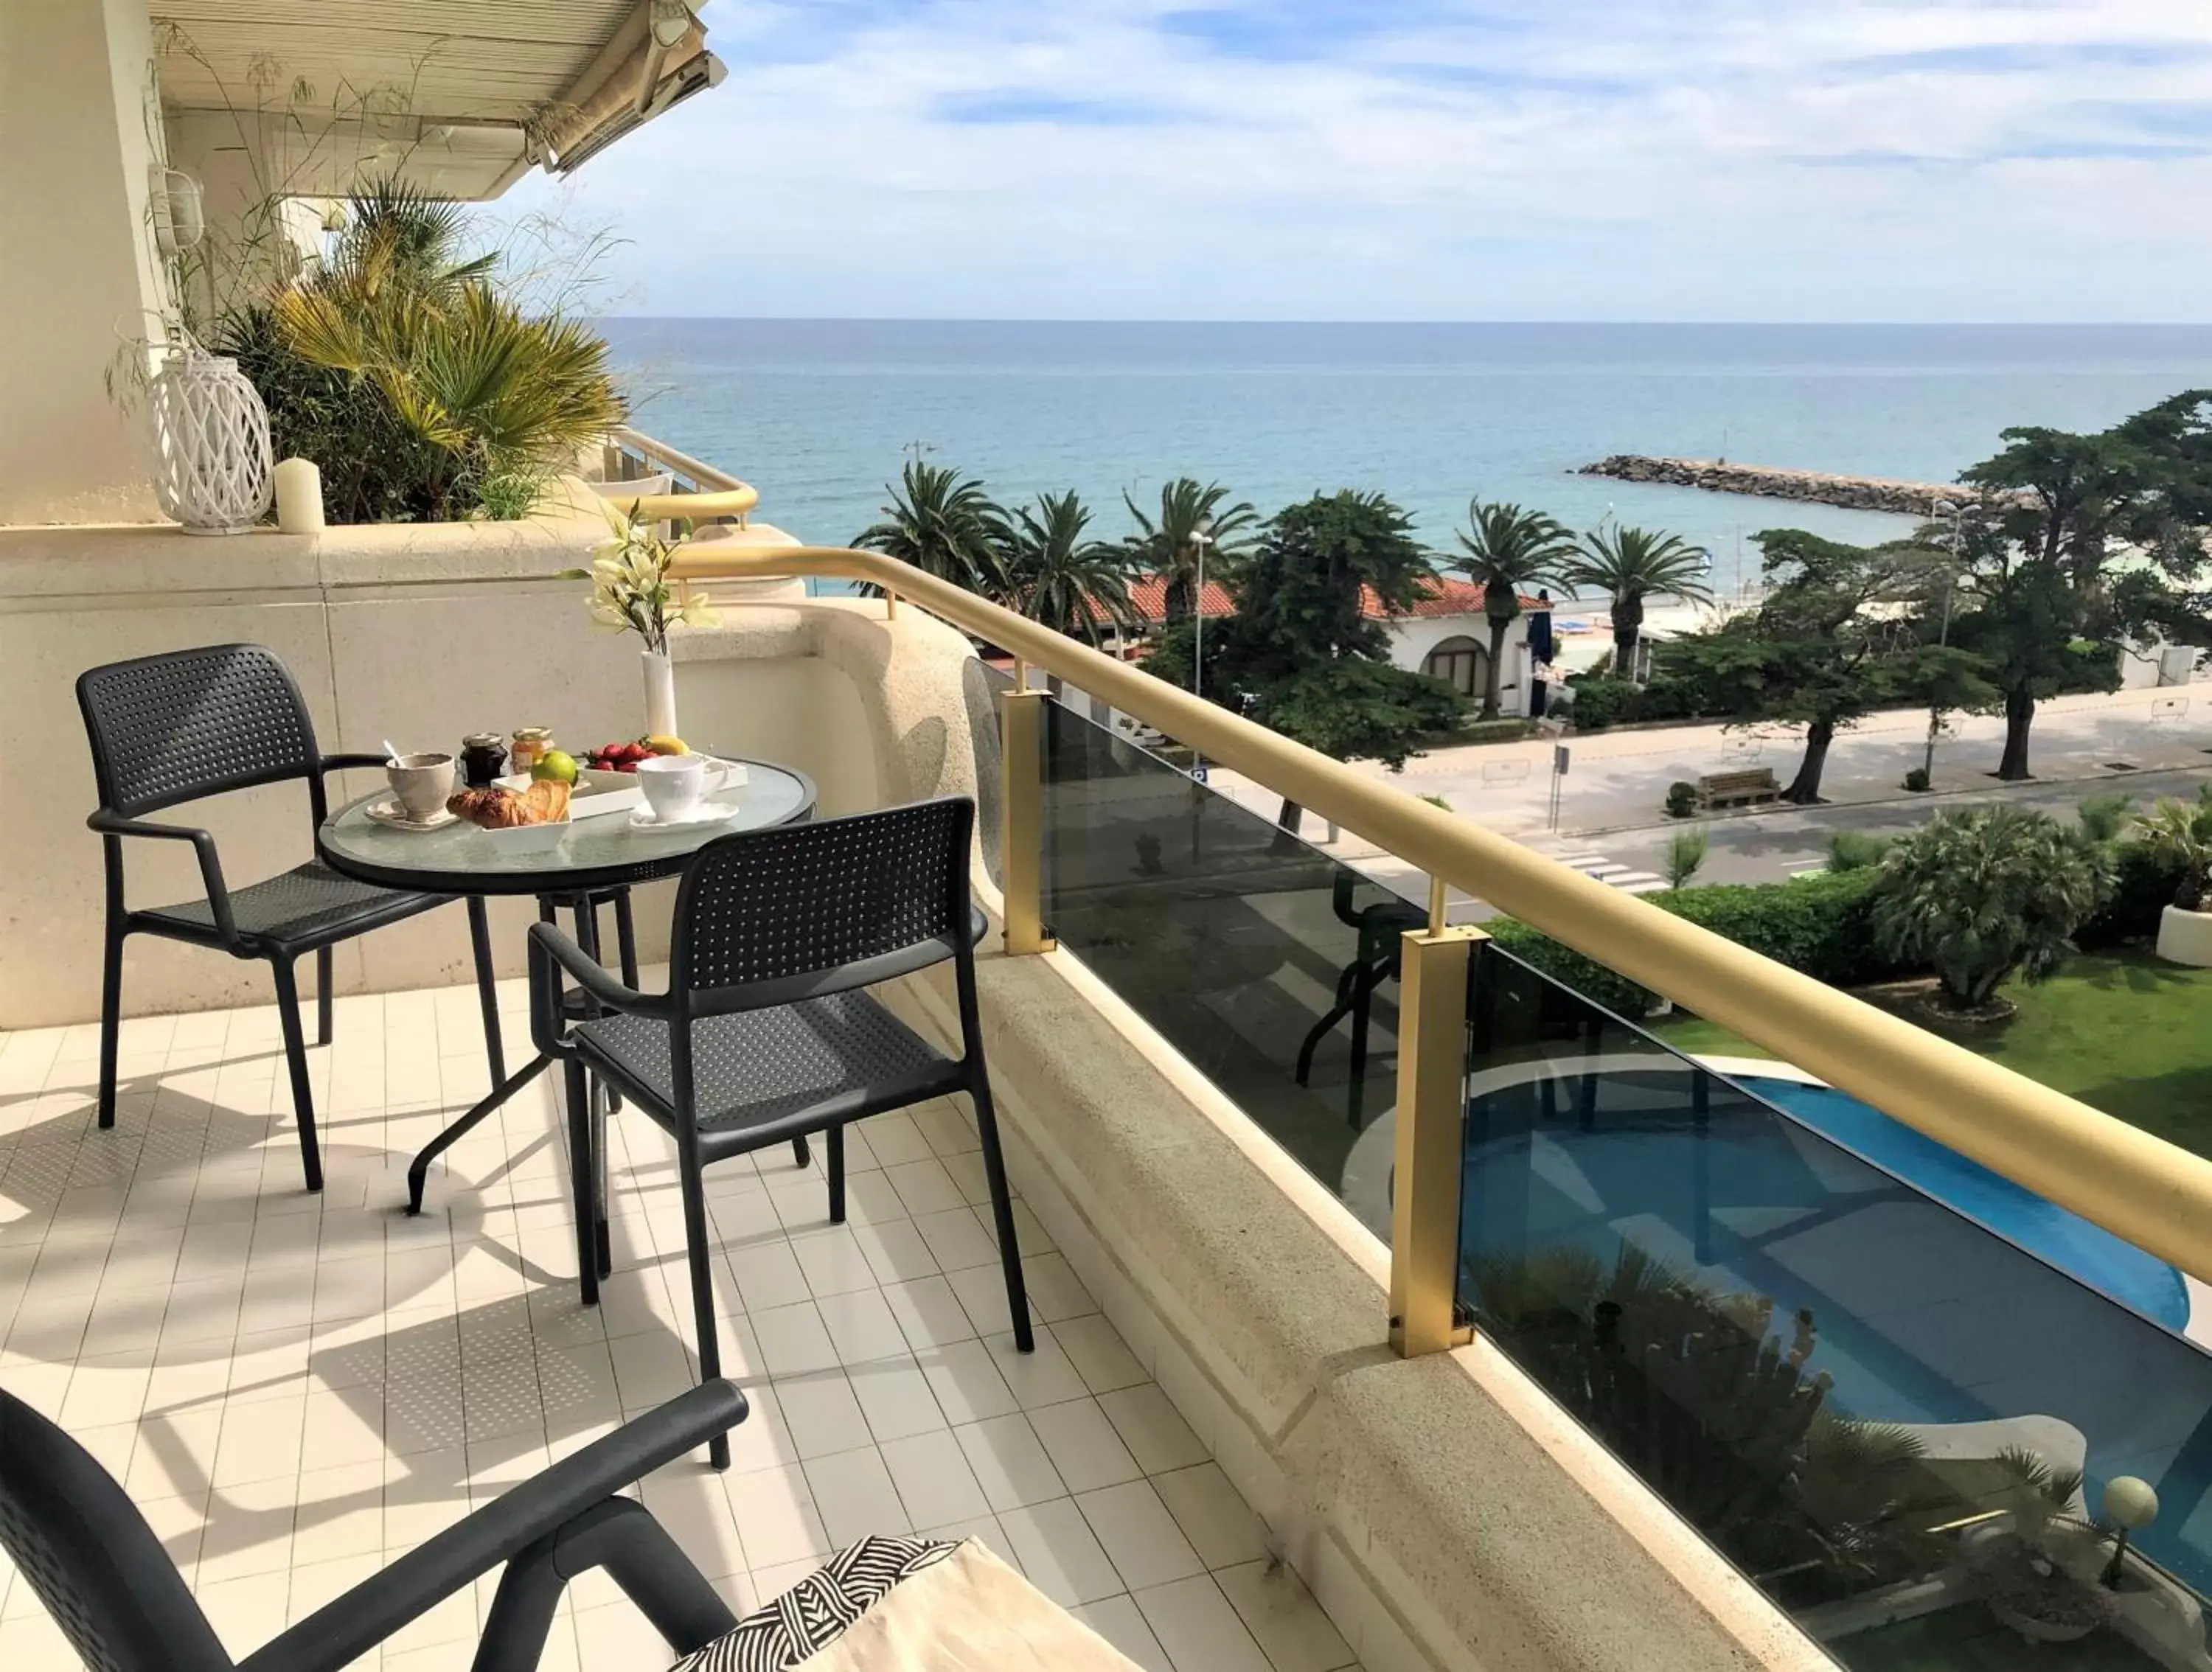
{"type": "Point", "coordinates": [532, 745]}
{"type": "Point", "coordinates": [483, 756]}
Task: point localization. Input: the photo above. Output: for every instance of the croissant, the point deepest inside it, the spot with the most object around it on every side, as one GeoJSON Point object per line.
{"type": "Point", "coordinates": [545, 802]}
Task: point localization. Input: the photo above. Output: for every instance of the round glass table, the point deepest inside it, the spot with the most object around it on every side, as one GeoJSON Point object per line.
{"type": "Point", "coordinates": [601, 851]}
{"type": "Point", "coordinates": [600, 857]}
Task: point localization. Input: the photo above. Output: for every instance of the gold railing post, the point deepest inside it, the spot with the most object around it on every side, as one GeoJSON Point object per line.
{"type": "Point", "coordinates": [1021, 817]}
{"type": "Point", "coordinates": [1432, 997]}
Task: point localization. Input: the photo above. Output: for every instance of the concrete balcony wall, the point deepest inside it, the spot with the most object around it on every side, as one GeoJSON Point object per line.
{"type": "Point", "coordinates": [420, 634]}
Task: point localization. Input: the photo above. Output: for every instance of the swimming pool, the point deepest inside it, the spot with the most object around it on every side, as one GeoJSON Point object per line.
{"type": "Point", "coordinates": [2066, 1240]}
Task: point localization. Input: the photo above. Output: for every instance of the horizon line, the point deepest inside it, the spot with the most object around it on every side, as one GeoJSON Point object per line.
{"type": "Point", "coordinates": [1639, 324]}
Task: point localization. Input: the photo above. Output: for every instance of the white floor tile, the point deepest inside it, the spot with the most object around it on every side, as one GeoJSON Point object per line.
{"type": "Point", "coordinates": [1199, 1629]}
{"type": "Point", "coordinates": [1140, 1536]}
{"type": "Point", "coordinates": [297, 1388]}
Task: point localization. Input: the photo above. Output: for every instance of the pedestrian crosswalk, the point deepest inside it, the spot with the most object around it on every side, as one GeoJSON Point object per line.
{"type": "Point", "coordinates": [1612, 873]}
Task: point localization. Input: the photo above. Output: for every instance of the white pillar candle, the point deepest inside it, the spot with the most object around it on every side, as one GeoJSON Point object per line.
{"type": "Point", "coordinates": [299, 497]}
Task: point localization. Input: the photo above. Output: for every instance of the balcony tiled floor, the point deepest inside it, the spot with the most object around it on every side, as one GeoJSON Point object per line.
{"type": "Point", "coordinates": [297, 1388]}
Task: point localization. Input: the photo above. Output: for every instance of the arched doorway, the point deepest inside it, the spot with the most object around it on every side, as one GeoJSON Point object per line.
{"type": "Point", "coordinates": [1461, 664]}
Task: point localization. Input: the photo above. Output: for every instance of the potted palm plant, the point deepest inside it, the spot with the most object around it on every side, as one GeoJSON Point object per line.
{"type": "Point", "coordinates": [2180, 833]}
{"type": "Point", "coordinates": [2036, 1563]}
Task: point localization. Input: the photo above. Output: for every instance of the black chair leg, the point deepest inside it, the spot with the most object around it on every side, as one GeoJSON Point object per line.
{"type": "Point", "coordinates": [487, 992]}
{"type": "Point", "coordinates": [836, 1174]}
{"type": "Point", "coordinates": [700, 1248]}
{"type": "Point", "coordinates": [603, 1241]}
{"type": "Point", "coordinates": [581, 1178]}
{"type": "Point", "coordinates": [295, 1056]}
{"type": "Point", "coordinates": [626, 938]}
{"type": "Point", "coordinates": [801, 1153]}
{"type": "Point", "coordinates": [110, 1020]}
{"type": "Point", "coordinates": [324, 963]}
{"type": "Point", "coordinates": [1002, 1211]}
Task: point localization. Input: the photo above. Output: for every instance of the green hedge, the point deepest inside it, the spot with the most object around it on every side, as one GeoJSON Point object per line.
{"type": "Point", "coordinates": [2143, 886]}
{"type": "Point", "coordinates": [1823, 926]}
{"type": "Point", "coordinates": [1820, 925]}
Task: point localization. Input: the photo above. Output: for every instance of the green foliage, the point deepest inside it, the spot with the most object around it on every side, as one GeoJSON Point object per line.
{"type": "Point", "coordinates": [2104, 816]}
{"type": "Point", "coordinates": [1353, 710]}
{"type": "Point", "coordinates": [1984, 894]}
{"type": "Point", "coordinates": [1630, 565]}
{"type": "Point", "coordinates": [471, 388]}
{"type": "Point", "coordinates": [1687, 851]}
{"type": "Point", "coordinates": [1170, 545]}
{"type": "Point", "coordinates": [1917, 781]}
{"type": "Point", "coordinates": [1598, 701]}
{"type": "Point", "coordinates": [1856, 850]}
{"type": "Point", "coordinates": [2178, 835]}
{"type": "Point", "coordinates": [1509, 550]}
{"type": "Point", "coordinates": [1300, 655]}
{"type": "Point", "coordinates": [1681, 799]}
{"type": "Point", "coordinates": [946, 524]}
{"type": "Point", "coordinates": [1058, 575]}
{"type": "Point", "coordinates": [2144, 882]}
{"type": "Point", "coordinates": [1819, 925]}
{"type": "Point", "coordinates": [1721, 1413]}
{"type": "Point", "coordinates": [373, 470]}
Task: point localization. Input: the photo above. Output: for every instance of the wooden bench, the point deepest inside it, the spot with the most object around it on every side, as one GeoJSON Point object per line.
{"type": "Point", "coordinates": [1738, 789]}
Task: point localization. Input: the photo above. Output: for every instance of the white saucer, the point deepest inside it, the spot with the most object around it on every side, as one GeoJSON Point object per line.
{"type": "Point", "coordinates": [707, 812]}
{"type": "Point", "coordinates": [391, 813]}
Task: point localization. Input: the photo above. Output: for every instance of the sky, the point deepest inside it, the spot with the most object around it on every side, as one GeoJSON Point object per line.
{"type": "Point", "coordinates": [1637, 160]}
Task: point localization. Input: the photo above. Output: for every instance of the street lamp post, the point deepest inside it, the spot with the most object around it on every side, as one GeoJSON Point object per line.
{"type": "Point", "coordinates": [1943, 507]}
{"type": "Point", "coordinates": [1199, 539]}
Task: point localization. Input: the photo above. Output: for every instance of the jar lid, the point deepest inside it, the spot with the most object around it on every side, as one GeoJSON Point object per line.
{"type": "Point", "coordinates": [481, 740]}
{"type": "Point", "coordinates": [533, 734]}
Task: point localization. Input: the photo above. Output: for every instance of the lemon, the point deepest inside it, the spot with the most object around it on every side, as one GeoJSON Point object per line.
{"type": "Point", "coordinates": [558, 767]}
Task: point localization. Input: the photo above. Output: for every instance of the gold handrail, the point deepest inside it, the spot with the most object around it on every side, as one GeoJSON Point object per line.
{"type": "Point", "coordinates": [720, 495]}
{"type": "Point", "coordinates": [2139, 1188]}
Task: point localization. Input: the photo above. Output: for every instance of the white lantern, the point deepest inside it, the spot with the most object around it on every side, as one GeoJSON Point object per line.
{"type": "Point", "coordinates": [211, 462]}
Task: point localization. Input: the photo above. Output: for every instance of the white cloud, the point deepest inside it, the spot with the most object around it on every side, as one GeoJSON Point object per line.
{"type": "Point", "coordinates": [1671, 159]}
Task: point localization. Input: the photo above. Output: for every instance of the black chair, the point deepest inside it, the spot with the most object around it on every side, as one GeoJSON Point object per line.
{"type": "Point", "coordinates": [1381, 928]}
{"type": "Point", "coordinates": [81, 1545]}
{"type": "Point", "coordinates": [194, 723]}
{"type": "Point", "coordinates": [763, 1037]}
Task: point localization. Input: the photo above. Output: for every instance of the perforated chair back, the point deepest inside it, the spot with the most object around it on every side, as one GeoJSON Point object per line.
{"type": "Point", "coordinates": [765, 917]}
{"type": "Point", "coordinates": [83, 1546]}
{"type": "Point", "coordinates": [190, 723]}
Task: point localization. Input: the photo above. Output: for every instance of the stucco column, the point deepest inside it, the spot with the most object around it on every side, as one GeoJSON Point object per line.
{"type": "Point", "coordinates": [80, 126]}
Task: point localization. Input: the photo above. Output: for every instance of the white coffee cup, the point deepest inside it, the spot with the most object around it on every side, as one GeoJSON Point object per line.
{"type": "Point", "coordinates": [673, 784]}
{"type": "Point", "coordinates": [422, 783]}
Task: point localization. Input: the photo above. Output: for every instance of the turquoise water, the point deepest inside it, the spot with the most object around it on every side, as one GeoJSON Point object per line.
{"type": "Point", "coordinates": [2084, 1250]}
{"type": "Point", "coordinates": [818, 413]}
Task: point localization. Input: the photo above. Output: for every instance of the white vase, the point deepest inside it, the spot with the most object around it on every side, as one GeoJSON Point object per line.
{"type": "Point", "coordinates": [659, 693]}
{"type": "Point", "coordinates": [211, 461]}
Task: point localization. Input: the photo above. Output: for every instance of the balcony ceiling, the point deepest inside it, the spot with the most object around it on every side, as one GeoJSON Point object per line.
{"type": "Point", "coordinates": [456, 81]}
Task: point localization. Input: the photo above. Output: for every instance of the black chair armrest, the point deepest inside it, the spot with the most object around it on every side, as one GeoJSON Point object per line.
{"type": "Point", "coordinates": [110, 823]}
{"type": "Point", "coordinates": [548, 948]}
{"type": "Point", "coordinates": [341, 761]}
{"type": "Point", "coordinates": [342, 1632]}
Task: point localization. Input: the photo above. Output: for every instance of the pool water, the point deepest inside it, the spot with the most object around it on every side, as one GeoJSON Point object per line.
{"type": "Point", "coordinates": [2088, 1252]}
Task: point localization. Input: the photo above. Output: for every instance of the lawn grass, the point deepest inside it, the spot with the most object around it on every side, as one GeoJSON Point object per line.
{"type": "Point", "coordinates": [2123, 1033]}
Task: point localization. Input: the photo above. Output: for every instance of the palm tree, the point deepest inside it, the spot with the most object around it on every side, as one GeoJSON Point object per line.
{"type": "Point", "coordinates": [2180, 833]}
{"type": "Point", "coordinates": [475, 387]}
{"type": "Point", "coordinates": [1984, 894]}
{"type": "Point", "coordinates": [946, 524]}
{"type": "Point", "coordinates": [1509, 550]}
{"type": "Point", "coordinates": [1170, 545]}
{"type": "Point", "coordinates": [1074, 585]}
{"type": "Point", "coordinates": [1633, 565]}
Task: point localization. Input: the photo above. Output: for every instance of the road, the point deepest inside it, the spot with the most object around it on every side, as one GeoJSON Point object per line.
{"type": "Point", "coordinates": [2149, 742]}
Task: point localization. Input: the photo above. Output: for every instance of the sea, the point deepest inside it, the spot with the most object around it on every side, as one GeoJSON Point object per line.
{"type": "Point", "coordinates": [819, 415]}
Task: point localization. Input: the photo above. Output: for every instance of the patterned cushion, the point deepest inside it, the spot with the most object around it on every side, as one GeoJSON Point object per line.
{"type": "Point", "coordinates": [814, 1612]}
